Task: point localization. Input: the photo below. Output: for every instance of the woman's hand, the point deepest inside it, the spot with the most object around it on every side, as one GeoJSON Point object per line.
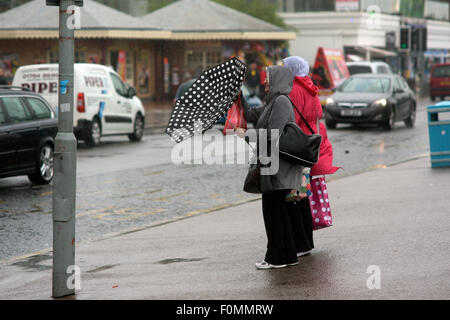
{"type": "Point", "coordinates": [240, 132]}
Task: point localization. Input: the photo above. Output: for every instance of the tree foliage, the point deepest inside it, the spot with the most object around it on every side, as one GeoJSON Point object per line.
{"type": "Point", "coordinates": [262, 9]}
{"type": "Point", "coordinates": [158, 4]}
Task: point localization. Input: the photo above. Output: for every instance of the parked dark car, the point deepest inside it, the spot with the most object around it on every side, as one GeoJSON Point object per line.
{"type": "Point", "coordinates": [372, 98]}
{"type": "Point", "coordinates": [28, 127]}
{"type": "Point", "coordinates": [440, 81]}
{"type": "Point", "coordinates": [251, 98]}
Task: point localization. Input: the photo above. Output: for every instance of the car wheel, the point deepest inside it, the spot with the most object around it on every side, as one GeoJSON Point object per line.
{"type": "Point", "coordinates": [390, 121]}
{"type": "Point", "coordinates": [330, 123]}
{"type": "Point", "coordinates": [93, 133]}
{"type": "Point", "coordinates": [138, 131]}
{"type": "Point", "coordinates": [44, 171]}
{"type": "Point", "coordinates": [411, 120]}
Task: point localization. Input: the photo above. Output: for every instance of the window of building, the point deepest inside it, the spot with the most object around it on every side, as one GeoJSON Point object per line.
{"type": "Point", "coordinates": [212, 58]}
{"type": "Point", "coordinates": [310, 5]}
{"type": "Point", "coordinates": [53, 57]}
{"type": "Point", "coordinates": [202, 59]}
{"type": "Point", "coordinates": [129, 65]}
{"type": "Point", "coordinates": [79, 56]}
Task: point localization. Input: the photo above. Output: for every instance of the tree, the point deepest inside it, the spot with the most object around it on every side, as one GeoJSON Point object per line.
{"type": "Point", "coordinates": [158, 4]}
{"type": "Point", "coordinates": [262, 9]}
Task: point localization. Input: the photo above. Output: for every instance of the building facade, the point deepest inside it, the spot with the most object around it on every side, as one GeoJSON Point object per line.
{"type": "Point", "coordinates": [161, 49]}
{"type": "Point", "coordinates": [370, 30]}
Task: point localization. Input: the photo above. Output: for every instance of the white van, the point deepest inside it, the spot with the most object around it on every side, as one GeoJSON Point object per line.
{"type": "Point", "coordinates": [377, 67]}
{"type": "Point", "coordinates": [103, 104]}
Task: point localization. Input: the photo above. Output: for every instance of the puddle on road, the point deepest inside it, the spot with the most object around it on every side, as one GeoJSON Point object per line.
{"type": "Point", "coordinates": [35, 263]}
{"type": "Point", "coordinates": [176, 260]}
{"type": "Point", "coordinates": [102, 268]}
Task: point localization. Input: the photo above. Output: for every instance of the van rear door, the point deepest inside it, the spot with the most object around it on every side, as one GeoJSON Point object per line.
{"type": "Point", "coordinates": [94, 89]}
{"type": "Point", "coordinates": [40, 79]}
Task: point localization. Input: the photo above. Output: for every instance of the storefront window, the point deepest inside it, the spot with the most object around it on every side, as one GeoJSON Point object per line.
{"type": "Point", "coordinates": [53, 57]}
{"type": "Point", "coordinates": [194, 60]}
{"type": "Point", "coordinates": [200, 60]}
{"type": "Point", "coordinates": [123, 63]}
{"type": "Point", "coordinates": [314, 5]}
{"type": "Point", "coordinates": [80, 56]}
{"type": "Point", "coordinates": [130, 68]}
{"type": "Point", "coordinates": [212, 58]}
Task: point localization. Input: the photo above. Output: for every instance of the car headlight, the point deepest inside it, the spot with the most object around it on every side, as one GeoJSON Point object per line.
{"type": "Point", "coordinates": [329, 101]}
{"type": "Point", "coordinates": [381, 102]}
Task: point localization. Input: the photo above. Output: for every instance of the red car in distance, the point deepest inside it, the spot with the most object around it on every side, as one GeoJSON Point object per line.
{"type": "Point", "coordinates": [440, 81]}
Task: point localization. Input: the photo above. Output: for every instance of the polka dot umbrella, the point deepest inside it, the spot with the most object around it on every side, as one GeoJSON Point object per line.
{"type": "Point", "coordinates": [207, 100]}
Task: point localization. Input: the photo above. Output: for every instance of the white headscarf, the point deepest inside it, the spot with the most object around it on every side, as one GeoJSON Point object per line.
{"type": "Point", "coordinates": [298, 66]}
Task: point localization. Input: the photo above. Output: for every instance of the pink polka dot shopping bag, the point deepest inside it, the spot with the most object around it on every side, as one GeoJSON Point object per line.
{"type": "Point", "coordinates": [319, 203]}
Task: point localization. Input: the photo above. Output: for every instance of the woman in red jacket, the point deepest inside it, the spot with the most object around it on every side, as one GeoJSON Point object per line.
{"type": "Point", "coordinates": [304, 95]}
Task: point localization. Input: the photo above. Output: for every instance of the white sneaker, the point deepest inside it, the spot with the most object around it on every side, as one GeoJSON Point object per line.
{"type": "Point", "coordinates": [301, 254]}
{"type": "Point", "coordinates": [293, 264]}
{"type": "Point", "coordinates": [265, 265]}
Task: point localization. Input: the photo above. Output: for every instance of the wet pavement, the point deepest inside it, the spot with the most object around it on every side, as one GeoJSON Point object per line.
{"type": "Point", "coordinates": [389, 240]}
{"type": "Point", "coordinates": [124, 186]}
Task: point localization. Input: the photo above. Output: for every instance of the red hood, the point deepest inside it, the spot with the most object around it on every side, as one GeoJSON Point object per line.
{"type": "Point", "coordinates": [306, 83]}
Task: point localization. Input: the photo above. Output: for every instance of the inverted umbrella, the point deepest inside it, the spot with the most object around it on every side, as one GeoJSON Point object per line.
{"type": "Point", "coordinates": [207, 100]}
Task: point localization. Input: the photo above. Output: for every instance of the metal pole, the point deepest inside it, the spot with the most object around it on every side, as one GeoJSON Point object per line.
{"type": "Point", "coordinates": [420, 62]}
{"type": "Point", "coordinates": [64, 182]}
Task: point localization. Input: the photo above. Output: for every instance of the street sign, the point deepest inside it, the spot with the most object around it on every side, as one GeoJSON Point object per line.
{"type": "Point", "coordinates": [78, 3]}
{"type": "Point", "coordinates": [405, 38]}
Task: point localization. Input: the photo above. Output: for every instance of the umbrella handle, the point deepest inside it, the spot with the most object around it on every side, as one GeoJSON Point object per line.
{"type": "Point", "coordinates": [234, 127]}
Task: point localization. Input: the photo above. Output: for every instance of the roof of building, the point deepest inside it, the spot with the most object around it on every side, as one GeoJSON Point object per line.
{"type": "Point", "coordinates": [182, 20]}
{"type": "Point", "coordinates": [37, 15]}
{"type": "Point", "coordinates": [199, 19]}
{"type": "Point", "coordinates": [35, 19]}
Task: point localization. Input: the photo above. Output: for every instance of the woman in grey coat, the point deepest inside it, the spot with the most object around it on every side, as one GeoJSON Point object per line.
{"type": "Point", "coordinates": [277, 112]}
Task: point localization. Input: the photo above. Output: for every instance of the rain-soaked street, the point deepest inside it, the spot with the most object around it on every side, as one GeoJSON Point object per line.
{"type": "Point", "coordinates": [123, 186]}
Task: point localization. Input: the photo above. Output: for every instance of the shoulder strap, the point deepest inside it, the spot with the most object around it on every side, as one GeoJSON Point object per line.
{"type": "Point", "coordinates": [304, 120]}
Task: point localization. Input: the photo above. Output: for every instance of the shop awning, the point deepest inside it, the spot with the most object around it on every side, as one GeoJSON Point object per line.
{"type": "Point", "coordinates": [375, 52]}
{"type": "Point", "coordinates": [87, 34]}
{"type": "Point", "coordinates": [354, 57]}
{"type": "Point", "coordinates": [233, 36]}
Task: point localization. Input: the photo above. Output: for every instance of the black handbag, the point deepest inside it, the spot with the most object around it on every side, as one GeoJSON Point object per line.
{"type": "Point", "coordinates": [296, 146]}
{"type": "Point", "coordinates": [252, 182]}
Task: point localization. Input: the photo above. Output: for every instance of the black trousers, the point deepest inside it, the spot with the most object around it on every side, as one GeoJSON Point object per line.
{"type": "Point", "coordinates": [301, 223]}
{"type": "Point", "coordinates": [280, 242]}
